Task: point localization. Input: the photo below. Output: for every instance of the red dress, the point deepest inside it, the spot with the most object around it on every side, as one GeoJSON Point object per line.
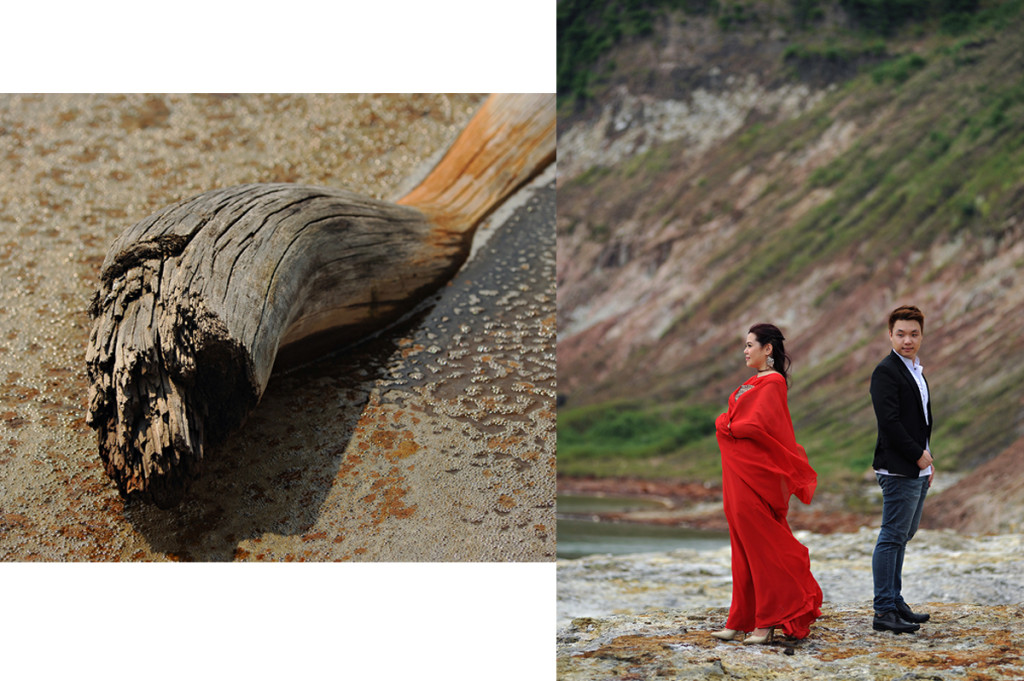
{"type": "Point", "coordinates": [762, 465]}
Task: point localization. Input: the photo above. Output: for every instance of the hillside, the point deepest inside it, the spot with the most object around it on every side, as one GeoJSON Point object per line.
{"type": "Point", "coordinates": [814, 173]}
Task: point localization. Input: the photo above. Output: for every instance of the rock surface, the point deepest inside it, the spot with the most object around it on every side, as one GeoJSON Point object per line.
{"type": "Point", "coordinates": [649, 616]}
{"type": "Point", "coordinates": [961, 642]}
{"type": "Point", "coordinates": [633, 124]}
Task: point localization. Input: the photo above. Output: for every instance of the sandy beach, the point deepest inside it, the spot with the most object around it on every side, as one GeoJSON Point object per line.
{"type": "Point", "coordinates": [434, 442]}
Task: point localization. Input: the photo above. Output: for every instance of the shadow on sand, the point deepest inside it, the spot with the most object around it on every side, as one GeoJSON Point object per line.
{"type": "Point", "coordinates": [273, 475]}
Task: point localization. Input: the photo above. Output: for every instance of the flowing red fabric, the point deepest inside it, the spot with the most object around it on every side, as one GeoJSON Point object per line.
{"type": "Point", "coordinates": [762, 466]}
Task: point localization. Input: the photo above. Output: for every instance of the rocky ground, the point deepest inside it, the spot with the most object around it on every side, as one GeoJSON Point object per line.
{"type": "Point", "coordinates": [649, 616]}
{"type": "Point", "coordinates": [970, 642]}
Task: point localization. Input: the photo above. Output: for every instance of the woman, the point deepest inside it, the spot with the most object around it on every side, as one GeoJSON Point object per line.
{"type": "Point", "coordinates": [762, 465]}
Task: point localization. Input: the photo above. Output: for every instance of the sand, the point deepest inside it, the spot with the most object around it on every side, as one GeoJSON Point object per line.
{"type": "Point", "coordinates": [434, 442]}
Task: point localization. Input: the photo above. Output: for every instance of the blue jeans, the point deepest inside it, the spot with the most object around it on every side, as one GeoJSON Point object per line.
{"type": "Point", "coordinates": [902, 502]}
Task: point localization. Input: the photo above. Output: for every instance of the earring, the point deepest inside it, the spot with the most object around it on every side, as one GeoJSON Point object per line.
{"type": "Point", "coordinates": [771, 362]}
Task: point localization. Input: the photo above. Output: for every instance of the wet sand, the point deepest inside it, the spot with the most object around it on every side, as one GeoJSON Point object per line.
{"type": "Point", "coordinates": [433, 442]}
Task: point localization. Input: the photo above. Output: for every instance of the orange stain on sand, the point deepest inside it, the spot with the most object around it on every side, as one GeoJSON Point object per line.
{"type": "Point", "coordinates": [379, 436]}
{"type": "Point", "coordinates": [394, 445]}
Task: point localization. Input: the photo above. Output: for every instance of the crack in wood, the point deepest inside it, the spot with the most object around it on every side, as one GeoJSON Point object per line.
{"type": "Point", "coordinates": [184, 336]}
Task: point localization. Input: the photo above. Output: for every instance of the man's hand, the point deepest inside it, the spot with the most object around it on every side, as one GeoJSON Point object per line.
{"type": "Point", "coordinates": [925, 460]}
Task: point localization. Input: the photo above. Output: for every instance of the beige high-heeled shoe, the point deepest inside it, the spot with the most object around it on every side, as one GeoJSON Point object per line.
{"type": "Point", "coordinates": [728, 634]}
{"type": "Point", "coordinates": [767, 638]}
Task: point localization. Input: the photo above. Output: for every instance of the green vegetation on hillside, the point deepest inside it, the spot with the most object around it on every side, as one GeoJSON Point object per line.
{"type": "Point", "coordinates": [938, 159]}
{"type": "Point", "coordinates": [888, 16]}
{"type": "Point", "coordinates": [637, 440]}
{"type": "Point", "coordinates": [587, 30]}
{"type": "Point", "coordinates": [910, 185]}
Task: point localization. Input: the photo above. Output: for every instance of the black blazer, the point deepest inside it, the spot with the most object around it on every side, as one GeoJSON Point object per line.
{"type": "Point", "coordinates": [902, 431]}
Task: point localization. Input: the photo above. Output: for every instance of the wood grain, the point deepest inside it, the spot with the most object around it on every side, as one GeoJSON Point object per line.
{"type": "Point", "coordinates": [197, 301]}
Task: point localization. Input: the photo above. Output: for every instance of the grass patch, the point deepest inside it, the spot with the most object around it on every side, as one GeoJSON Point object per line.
{"type": "Point", "coordinates": [651, 162]}
{"type": "Point", "coordinates": [591, 176]}
{"type": "Point", "coordinates": [634, 440]}
{"type": "Point", "coordinates": [898, 70]}
{"type": "Point", "coordinates": [631, 431]}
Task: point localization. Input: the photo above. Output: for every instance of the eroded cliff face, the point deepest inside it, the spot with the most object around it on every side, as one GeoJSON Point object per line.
{"type": "Point", "coordinates": [730, 188]}
{"type": "Point", "coordinates": [989, 499]}
{"type": "Point", "coordinates": [635, 257]}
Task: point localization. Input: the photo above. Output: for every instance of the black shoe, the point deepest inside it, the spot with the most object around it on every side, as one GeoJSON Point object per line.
{"type": "Point", "coordinates": [908, 615]}
{"type": "Point", "coordinates": [890, 621]}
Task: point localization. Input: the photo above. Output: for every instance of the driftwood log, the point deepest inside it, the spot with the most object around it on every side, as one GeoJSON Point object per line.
{"type": "Point", "coordinates": [197, 301]}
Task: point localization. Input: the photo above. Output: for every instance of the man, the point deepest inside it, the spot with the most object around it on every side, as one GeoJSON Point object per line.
{"type": "Point", "coordinates": [903, 464]}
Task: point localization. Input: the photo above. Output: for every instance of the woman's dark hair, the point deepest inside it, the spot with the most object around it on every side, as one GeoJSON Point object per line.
{"type": "Point", "coordinates": [769, 333]}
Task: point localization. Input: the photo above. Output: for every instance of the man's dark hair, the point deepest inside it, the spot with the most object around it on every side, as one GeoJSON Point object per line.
{"type": "Point", "coordinates": [908, 313]}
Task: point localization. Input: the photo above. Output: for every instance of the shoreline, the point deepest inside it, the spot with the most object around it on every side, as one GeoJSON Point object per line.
{"type": "Point", "coordinates": [698, 505]}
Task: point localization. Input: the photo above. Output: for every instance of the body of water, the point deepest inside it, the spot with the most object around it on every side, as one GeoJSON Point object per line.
{"type": "Point", "coordinates": [580, 533]}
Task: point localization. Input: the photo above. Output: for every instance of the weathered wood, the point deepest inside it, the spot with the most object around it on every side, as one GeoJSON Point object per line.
{"type": "Point", "coordinates": [197, 301]}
